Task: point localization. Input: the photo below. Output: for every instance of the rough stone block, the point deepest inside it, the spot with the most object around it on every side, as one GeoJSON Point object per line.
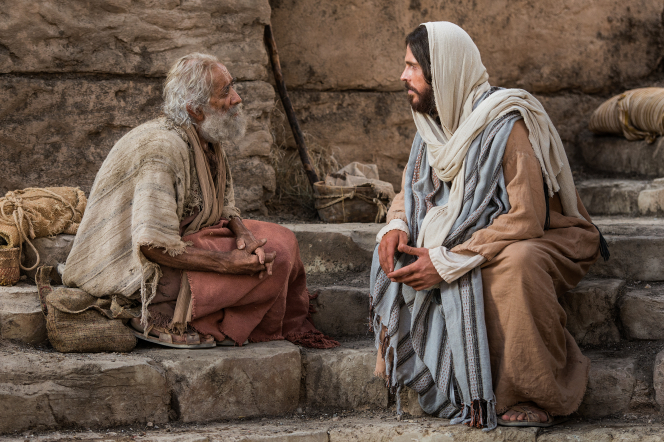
{"type": "Point", "coordinates": [127, 37]}
{"type": "Point", "coordinates": [618, 155]}
{"type": "Point", "coordinates": [611, 197]}
{"type": "Point", "coordinates": [524, 45]}
{"type": "Point", "coordinates": [611, 382]}
{"type": "Point", "coordinates": [52, 251]}
{"type": "Point", "coordinates": [436, 431]}
{"type": "Point", "coordinates": [658, 378]}
{"type": "Point", "coordinates": [642, 313]}
{"type": "Point", "coordinates": [636, 246]}
{"type": "Point", "coordinates": [52, 390]}
{"type": "Point", "coordinates": [342, 378]}
{"type": "Point", "coordinates": [651, 200]}
{"type": "Point", "coordinates": [591, 311]}
{"type": "Point", "coordinates": [93, 114]}
{"type": "Point", "coordinates": [229, 382]}
{"type": "Point", "coordinates": [330, 251]}
{"type": "Point", "coordinates": [585, 432]}
{"type": "Point", "coordinates": [342, 311]}
{"type": "Point", "coordinates": [21, 317]}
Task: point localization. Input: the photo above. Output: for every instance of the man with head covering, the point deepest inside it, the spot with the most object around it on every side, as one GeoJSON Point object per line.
{"type": "Point", "coordinates": [486, 233]}
{"type": "Point", "coordinates": [161, 227]}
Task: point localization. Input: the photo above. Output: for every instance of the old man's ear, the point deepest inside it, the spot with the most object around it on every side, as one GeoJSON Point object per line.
{"type": "Point", "coordinates": [195, 113]}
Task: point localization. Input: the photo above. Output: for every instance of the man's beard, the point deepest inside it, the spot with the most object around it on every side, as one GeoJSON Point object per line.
{"type": "Point", "coordinates": [223, 126]}
{"type": "Point", "coordinates": [425, 103]}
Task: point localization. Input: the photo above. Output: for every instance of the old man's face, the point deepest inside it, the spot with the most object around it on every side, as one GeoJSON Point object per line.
{"type": "Point", "coordinates": [224, 118]}
{"type": "Point", "coordinates": [420, 93]}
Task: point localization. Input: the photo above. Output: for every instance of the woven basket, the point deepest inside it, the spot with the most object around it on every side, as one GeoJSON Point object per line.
{"type": "Point", "coordinates": [10, 271]}
{"type": "Point", "coordinates": [360, 204]}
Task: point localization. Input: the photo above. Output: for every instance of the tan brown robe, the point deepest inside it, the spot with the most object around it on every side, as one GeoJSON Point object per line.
{"type": "Point", "coordinates": [533, 356]}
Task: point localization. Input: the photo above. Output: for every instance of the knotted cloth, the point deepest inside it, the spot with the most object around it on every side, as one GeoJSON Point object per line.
{"type": "Point", "coordinates": [39, 212]}
{"type": "Point", "coordinates": [459, 79]}
{"type": "Point", "coordinates": [635, 114]}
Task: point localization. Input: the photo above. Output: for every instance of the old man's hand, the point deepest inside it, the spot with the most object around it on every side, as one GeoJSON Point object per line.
{"type": "Point", "coordinates": [421, 274]}
{"type": "Point", "coordinates": [245, 262]}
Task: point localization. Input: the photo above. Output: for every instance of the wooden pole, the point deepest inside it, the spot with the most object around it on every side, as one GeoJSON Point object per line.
{"type": "Point", "coordinates": [288, 106]}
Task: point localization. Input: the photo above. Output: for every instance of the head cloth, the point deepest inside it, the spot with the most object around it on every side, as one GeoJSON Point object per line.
{"type": "Point", "coordinates": [459, 79]}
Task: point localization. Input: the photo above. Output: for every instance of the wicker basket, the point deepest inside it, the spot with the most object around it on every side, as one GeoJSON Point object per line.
{"type": "Point", "coordinates": [10, 271]}
{"type": "Point", "coordinates": [360, 204]}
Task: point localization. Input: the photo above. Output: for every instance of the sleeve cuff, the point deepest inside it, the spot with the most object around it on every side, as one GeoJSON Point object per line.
{"type": "Point", "coordinates": [395, 224]}
{"type": "Point", "coordinates": [452, 266]}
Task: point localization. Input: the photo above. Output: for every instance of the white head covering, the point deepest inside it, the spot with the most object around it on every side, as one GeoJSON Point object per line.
{"type": "Point", "coordinates": [459, 79]}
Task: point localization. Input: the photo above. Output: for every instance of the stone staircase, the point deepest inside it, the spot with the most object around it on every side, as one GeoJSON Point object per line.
{"type": "Point", "coordinates": [615, 314]}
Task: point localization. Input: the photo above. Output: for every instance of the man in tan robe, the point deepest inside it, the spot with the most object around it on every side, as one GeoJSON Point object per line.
{"type": "Point", "coordinates": [161, 227]}
{"type": "Point", "coordinates": [529, 257]}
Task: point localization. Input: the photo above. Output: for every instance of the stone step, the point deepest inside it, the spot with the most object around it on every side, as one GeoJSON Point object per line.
{"type": "Point", "coordinates": [617, 155]}
{"type": "Point", "coordinates": [360, 427]}
{"type": "Point", "coordinates": [42, 390]}
{"type": "Point", "coordinates": [622, 197]}
{"type": "Point", "coordinates": [636, 246]}
{"type": "Point", "coordinates": [21, 317]}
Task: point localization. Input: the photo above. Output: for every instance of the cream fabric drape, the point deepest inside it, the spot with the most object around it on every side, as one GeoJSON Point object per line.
{"type": "Point", "coordinates": [459, 79]}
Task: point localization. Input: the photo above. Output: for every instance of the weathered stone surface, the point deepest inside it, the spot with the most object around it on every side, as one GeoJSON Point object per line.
{"type": "Point", "coordinates": [611, 383]}
{"type": "Point", "coordinates": [342, 311]}
{"type": "Point", "coordinates": [335, 248]}
{"type": "Point", "coordinates": [438, 430]}
{"type": "Point", "coordinates": [585, 432]}
{"type": "Point", "coordinates": [92, 114]}
{"type": "Point", "coordinates": [611, 197]}
{"type": "Point", "coordinates": [21, 317]}
{"type": "Point", "coordinates": [126, 37]}
{"type": "Point", "coordinates": [410, 403]}
{"type": "Point", "coordinates": [369, 127]}
{"type": "Point", "coordinates": [539, 46]}
{"type": "Point", "coordinates": [342, 378]}
{"type": "Point", "coordinates": [52, 251]}
{"type": "Point", "coordinates": [642, 313]}
{"type": "Point", "coordinates": [658, 378]}
{"type": "Point", "coordinates": [636, 246]}
{"type": "Point", "coordinates": [226, 382]}
{"type": "Point", "coordinates": [651, 200]}
{"type": "Point", "coordinates": [53, 390]}
{"type": "Point", "coordinates": [591, 311]}
{"type": "Point", "coordinates": [618, 155]}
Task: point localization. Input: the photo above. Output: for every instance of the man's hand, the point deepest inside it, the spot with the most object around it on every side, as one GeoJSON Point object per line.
{"type": "Point", "coordinates": [245, 240]}
{"type": "Point", "coordinates": [421, 274]}
{"type": "Point", "coordinates": [388, 246]}
{"type": "Point", "coordinates": [245, 262]}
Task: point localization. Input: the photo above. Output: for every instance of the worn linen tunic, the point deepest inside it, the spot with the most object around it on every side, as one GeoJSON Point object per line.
{"type": "Point", "coordinates": [533, 356]}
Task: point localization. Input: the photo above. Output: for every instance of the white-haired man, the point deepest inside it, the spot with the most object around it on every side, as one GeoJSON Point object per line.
{"type": "Point", "coordinates": [161, 226]}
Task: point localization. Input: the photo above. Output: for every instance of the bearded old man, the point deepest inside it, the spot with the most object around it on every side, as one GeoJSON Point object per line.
{"type": "Point", "coordinates": [161, 226]}
{"type": "Point", "coordinates": [485, 235]}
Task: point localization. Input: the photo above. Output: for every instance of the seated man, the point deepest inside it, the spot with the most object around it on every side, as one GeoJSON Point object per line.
{"type": "Point", "coordinates": [161, 226]}
{"type": "Point", "coordinates": [487, 232]}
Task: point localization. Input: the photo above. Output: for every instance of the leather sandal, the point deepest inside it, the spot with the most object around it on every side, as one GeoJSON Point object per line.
{"type": "Point", "coordinates": [532, 418]}
{"type": "Point", "coordinates": [191, 339]}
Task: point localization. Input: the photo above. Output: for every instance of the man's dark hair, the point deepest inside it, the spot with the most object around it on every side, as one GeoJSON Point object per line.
{"type": "Point", "coordinates": [418, 40]}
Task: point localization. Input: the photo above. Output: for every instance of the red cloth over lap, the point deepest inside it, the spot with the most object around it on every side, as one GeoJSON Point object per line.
{"type": "Point", "coordinates": [245, 307]}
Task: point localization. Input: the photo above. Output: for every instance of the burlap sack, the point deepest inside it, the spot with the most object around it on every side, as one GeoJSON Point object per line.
{"type": "Point", "coordinates": [77, 322]}
{"type": "Point", "coordinates": [635, 114]}
{"type": "Point", "coordinates": [35, 213]}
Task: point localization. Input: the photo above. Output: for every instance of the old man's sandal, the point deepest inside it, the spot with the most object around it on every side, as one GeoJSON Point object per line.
{"type": "Point", "coordinates": [532, 419]}
{"type": "Point", "coordinates": [191, 339]}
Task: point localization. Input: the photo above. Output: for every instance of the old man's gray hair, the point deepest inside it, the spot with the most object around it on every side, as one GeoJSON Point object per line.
{"type": "Point", "coordinates": [189, 82]}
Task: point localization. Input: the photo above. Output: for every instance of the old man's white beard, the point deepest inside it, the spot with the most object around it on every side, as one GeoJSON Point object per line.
{"type": "Point", "coordinates": [223, 126]}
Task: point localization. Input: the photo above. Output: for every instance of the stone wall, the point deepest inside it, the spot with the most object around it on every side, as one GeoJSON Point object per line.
{"type": "Point", "coordinates": [77, 75]}
{"type": "Point", "coordinates": [342, 60]}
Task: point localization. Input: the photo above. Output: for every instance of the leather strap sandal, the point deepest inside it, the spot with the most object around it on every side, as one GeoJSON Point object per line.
{"type": "Point", "coordinates": [191, 339]}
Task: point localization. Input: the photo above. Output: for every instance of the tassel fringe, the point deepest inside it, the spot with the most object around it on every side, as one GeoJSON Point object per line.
{"type": "Point", "coordinates": [603, 246]}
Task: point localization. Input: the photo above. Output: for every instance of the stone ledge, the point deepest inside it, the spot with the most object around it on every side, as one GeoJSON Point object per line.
{"type": "Point", "coordinates": [642, 313]}
{"type": "Point", "coordinates": [611, 197]}
{"type": "Point", "coordinates": [21, 317]}
{"type": "Point", "coordinates": [342, 311]}
{"type": "Point", "coordinates": [611, 383]}
{"type": "Point", "coordinates": [617, 155]}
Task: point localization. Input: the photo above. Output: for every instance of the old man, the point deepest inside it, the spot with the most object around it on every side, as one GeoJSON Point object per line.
{"type": "Point", "coordinates": [487, 232]}
{"type": "Point", "coordinates": [162, 227]}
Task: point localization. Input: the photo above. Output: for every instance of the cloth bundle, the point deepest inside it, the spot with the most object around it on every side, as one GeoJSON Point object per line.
{"type": "Point", "coordinates": [635, 114]}
{"type": "Point", "coordinates": [39, 212]}
{"type": "Point", "coordinates": [77, 322]}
